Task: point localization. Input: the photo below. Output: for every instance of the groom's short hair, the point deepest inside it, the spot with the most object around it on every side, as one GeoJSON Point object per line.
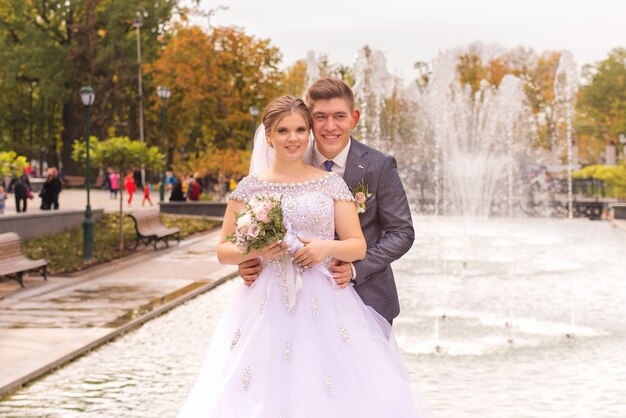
{"type": "Point", "coordinates": [329, 88]}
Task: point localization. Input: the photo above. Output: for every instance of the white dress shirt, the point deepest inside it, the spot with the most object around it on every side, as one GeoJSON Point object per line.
{"type": "Point", "coordinates": [340, 159]}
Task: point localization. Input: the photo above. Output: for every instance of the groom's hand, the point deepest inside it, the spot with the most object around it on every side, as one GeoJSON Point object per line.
{"type": "Point", "coordinates": [249, 270]}
{"type": "Point", "coordinates": [341, 272]}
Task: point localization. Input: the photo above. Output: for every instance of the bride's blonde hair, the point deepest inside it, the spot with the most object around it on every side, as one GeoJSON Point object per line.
{"type": "Point", "coordinates": [282, 106]}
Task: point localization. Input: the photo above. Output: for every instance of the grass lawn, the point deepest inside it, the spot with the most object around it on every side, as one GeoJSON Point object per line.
{"type": "Point", "coordinates": [64, 251]}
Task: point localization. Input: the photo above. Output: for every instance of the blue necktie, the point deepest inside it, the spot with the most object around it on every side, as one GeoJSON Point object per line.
{"type": "Point", "coordinates": [329, 165]}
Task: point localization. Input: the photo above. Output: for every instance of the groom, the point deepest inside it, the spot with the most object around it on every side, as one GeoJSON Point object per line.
{"type": "Point", "coordinates": [386, 221]}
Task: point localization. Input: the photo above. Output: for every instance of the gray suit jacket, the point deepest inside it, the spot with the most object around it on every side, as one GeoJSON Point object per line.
{"type": "Point", "coordinates": [386, 223]}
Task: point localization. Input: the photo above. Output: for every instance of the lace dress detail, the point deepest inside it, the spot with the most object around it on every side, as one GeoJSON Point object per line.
{"type": "Point", "coordinates": [329, 356]}
{"type": "Point", "coordinates": [308, 206]}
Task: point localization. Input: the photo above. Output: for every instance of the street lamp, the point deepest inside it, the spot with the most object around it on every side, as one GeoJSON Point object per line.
{"type": "Point", "coordinates": [254, 112]}
{"type": "Point", "coordinates": [87, 96]}
{"type": "Point", "coordinates": [164, 93]}
{"type": "Point", "coordinates": [138, 23]}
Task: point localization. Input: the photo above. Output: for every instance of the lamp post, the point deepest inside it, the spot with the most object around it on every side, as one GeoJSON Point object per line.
{"type": "Point", "coordinates": [87, 96]}
{"type": "Point", "coordinates": [164, 94]}
{"type": "Point", "coordinates": [138, 23]}
{"type": "Point", "coordinates": [254, 112]}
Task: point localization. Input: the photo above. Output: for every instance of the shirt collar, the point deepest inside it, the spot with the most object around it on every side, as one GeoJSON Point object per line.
{"type": "Point", "coordinates": [340, 159]}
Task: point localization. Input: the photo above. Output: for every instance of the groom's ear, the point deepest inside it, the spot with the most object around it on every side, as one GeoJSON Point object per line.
{"type": "Point", "coordinates": [356, 115]}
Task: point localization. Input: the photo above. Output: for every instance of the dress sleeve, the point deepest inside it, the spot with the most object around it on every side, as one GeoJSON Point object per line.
{"type": "Point", "coordinates": [242, 191]}
{"type": "Point", "coordinates": [339, 189]}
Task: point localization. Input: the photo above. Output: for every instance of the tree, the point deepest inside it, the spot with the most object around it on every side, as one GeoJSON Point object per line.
{"type": "Point", "coordinates": [294, 79]}
{"type": "Point", "coordinates": [121, 154]}
{"type": "Point", "coordinates": [471, 70]}
{"type": "Point", "coordinates": [614, 178]}
{"type": "Point", "coordinates": [11, 164]}
{"type": "Point", "coordinates": [49, 49]}
{"type": "Point", "coordinates": [539, 88]}
{"type": "Point", "coordinates": [538, 74]}
{"type": "Point", "coordinates": [215, 78]}
{"type": "Point", "coordinates": [601, 105]}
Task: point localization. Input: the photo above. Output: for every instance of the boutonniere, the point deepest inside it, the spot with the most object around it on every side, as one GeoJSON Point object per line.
{"type": "Point", "coordinates": [361, 194]}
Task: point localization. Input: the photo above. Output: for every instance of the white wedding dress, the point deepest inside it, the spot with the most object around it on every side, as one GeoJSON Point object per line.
{"type": "Point", "coordinates": [328, 356]}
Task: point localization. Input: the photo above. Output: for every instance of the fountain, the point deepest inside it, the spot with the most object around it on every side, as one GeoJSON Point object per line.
{"type": "Point", "coordinates": [312, 69]}
{"type": "Point", "coordinates": [565, 88]}
{"type": "Point", "coordinates": [474, 371]}
{"type": "Point", "coordinates": [475, 138]}
{"type": "Point", "coordinates": [373, 84]}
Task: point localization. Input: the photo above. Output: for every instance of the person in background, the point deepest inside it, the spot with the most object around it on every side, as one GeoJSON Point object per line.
{"type": "Point", "coordinates": [194, 190]}
{"type": "Point", "coordinates": [51, 190]}
{"type": "Point", "coordinates": [3, 197]}
{"type": "Point", "coordinates": [130, 186]}
{"type": "Point", "coordinates": [185, 185]}
{"type": "Point", "coordinates": [170, 180]}
{"type": "Point", "coordinates": [20, 187]}
{"type": "Point", "coordinates": [106, 185]}
{"type": "Point", "coordinates": [146, 195]}
{"type": "Point", "coordinates": [177, 192]}
{"type": "Point", "coordinates": [114, 180]}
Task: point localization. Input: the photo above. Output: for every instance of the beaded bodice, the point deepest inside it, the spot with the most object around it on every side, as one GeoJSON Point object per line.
{"type": "Point", "coordinates": [308, 206]}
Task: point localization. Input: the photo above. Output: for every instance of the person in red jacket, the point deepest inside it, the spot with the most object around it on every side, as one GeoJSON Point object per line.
{"type": "Point", "coordinates": [146, 195]}
{"type": "Point", "coordinates": [129, 185]}
{"type": "Point", "coordinates": [194, 190]}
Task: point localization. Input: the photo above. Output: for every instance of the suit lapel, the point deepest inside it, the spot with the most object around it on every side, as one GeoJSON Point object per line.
{"type": "Point", "coordinates": [356, 165]}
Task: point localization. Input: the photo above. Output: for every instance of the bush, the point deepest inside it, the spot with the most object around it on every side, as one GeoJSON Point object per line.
{"type": "Point", "coordinates": [614, 178]}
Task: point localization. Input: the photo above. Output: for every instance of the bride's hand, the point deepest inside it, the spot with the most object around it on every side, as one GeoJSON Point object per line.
{"type": "Point", "coordinates": [273, 250]}
{"type": "Point", "coordinates": [314, 251]}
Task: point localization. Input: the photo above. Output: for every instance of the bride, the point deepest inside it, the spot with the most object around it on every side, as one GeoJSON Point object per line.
{"type": "Point", "coordinates": [310, 349]}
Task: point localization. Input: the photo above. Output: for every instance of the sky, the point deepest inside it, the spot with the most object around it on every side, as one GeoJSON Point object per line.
{"type": "Point", "coordinates": [415, 30]}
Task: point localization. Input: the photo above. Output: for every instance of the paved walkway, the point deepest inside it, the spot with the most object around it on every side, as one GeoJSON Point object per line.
{"type": "Point", "coordinates": [77, 199]}
{"type": "Point", "coordinates": [49, 323]}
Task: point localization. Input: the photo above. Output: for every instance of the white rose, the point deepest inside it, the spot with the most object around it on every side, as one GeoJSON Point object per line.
{"type": "Point", "coordinates": [244, 221]}
{"type": "Point", "coordinates": [254, 204]}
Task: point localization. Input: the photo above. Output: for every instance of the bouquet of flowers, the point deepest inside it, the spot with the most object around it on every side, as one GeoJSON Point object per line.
{"type": "Point", "coordinates": [259, 224]}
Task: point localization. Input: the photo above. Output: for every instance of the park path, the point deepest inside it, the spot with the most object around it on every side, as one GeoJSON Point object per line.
{"type": "Point", "coordinates": [49, 323]}
{"type": "Point", "coordinates": [99, 199]}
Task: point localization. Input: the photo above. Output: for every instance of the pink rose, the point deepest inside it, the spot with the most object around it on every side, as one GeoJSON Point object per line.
{"type": "Point", "coordinates": [253, 230]}
{"type": "Point", "coordinates": [360, 198]}
{"type": "Point", "coordinates": [262, 211]}
{"type": "Point", "coordinates": [263, 216]}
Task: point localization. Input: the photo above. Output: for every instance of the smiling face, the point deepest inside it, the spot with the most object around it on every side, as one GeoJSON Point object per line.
{"type": "Point", "coordinates": [289, 137]}
{"type": "Point", "coordinates": [332, 121]}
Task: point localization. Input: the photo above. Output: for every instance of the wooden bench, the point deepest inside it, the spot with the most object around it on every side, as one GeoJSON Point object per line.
{"type": "Point", "coordinates": [150, 229]}
{"type": "Point", "coordinates": [13, 262]}
{"type": "Point", "coordinates": [73, 181]}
